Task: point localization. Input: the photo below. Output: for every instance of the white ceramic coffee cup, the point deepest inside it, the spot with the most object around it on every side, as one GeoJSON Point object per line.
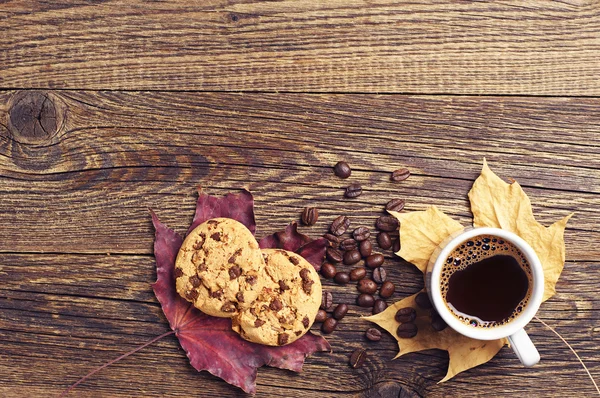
{"type": "Point", "coordinates": [518, 338]}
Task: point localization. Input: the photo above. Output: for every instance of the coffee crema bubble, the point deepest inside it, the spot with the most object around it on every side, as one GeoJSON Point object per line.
{"type": "Point", "coordinates": [486, 282]}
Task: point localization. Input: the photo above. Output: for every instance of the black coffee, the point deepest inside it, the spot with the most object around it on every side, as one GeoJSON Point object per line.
{"type": "Point", "coordinates": [486, 281]}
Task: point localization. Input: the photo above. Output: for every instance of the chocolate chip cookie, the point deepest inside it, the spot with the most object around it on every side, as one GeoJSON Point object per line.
{"type": "Point", "coordinates": [286, 306]}
{"type": "Point", "coordinates": [220, 268]}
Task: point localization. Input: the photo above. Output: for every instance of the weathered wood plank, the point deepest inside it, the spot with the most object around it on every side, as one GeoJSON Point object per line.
{"type": "Point", "coordinates": [65, 313]}
{"type": "Point", "coordinates": [539, 48]}
{"type": "Point", "coordinates": [86, 185]}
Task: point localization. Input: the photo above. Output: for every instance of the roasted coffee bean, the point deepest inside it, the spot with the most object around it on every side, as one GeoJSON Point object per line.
{"type": "Point", "coordinates": [357, 274]}
{"type": "Point", "coordinates": [329, 325]}
{"type": "Point", "coordinates": [340, 311]}
{"type": "Point", "coordinates": [400, 174]}
{"type": "Point", "coordinates": [342, 170]}
{"type": "Point", "coordinates": [310, 215]}
{"type": "Point", "coordinates": [351, 257]}
{"type": "Point", "coordinates": [334, 255]}
{"type": "Point", "coordinates": [387, 223]}
{"type": "Point", "coordinates": [358, 358]}
{"type": "Point", "coordinates": [340, 225]}
{"type": "Point", "coordinates": [366, 248]}
{"type": "Point", "coordinates": [353, 191]}
{"type": "Point", "coordinates": [374, 260]}
{"type": "Point", "coordinates": [384, 240]}
{"type": "Point", "coordinates": [437, 323]}
{"type": "Point", "coordinates": [423, 301]}
{"type": "Point", "coordinates": [348, 244]}
{"type": "Point", "coordinates": [373, 334]}
{"type": "Point", "coordinates": [326, 301]}
{"type": "Point", "coordinates": [406, 314]}
{"type": "Point", "coordinates": [328, 270]}
{"type": "Point", "coordinates": [321, 316]}
{"type": "Point", "coordinates": [387, 289]}
{"type": "Point", "coordinates": [395, 205]}
{"type": "Point", "coordinates": [407, 330]}
{"type": "Point", "coordinates": [361, 233]}
{"type": "Point", "coordinates": [333, 240]}
{"type": "Point", "coordinates": [341, 278]}
{"type": "Point", "coordinates": [396, 245]}
{"type": "Point", "coordinates": [379, 274]}
{"type": "Point", "coordinates": [379, 306]}
{"type": "Point", "coordinates": [366, 285]}
{"type": "Point", "coordinates": [365, 300]}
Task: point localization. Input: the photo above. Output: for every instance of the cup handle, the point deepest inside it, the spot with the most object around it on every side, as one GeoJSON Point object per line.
{"type": "Point", "coordinates": [524, 348]}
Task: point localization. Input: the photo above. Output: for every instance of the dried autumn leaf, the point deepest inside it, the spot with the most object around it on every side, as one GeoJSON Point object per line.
{"type": "Point", "coordinates": [239, 206]}
{"type": "Point", "coordinates": [209, 342]}
{"type": "Point", "coordinates": [494, 204]}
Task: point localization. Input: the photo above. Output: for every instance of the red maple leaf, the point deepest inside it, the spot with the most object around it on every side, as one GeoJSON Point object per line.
{"type": "Point", "coordinates": [209, 342]}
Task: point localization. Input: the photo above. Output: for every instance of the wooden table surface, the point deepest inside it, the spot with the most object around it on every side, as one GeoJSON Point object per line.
{"type": "Point", "coordinates": [108, 108]}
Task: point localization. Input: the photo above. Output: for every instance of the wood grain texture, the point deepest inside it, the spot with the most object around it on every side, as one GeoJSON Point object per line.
{"type": "Point", "coordinates": [80, 187]}
{"type": "Point", "coordinates": [531, 48]}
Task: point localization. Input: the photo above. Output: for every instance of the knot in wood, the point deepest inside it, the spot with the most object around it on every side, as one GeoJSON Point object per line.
{"type": "Point", "coordinates": [33, 117]}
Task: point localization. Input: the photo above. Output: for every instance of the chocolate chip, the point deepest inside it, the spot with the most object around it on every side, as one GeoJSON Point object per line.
{"type": "Point", "coordinates": [228, 307]}
{"type": "Point", "coordinates": [216, 236]}
{"type": "Point", "coordinates": [239, 296]}
{"type": "Point", "coordinates": [294, 260]}
{"type": "Point", "coordinates": [304, 274]}
{"type": "Point", "coordinates": [276, 305]}
{"type": "Point", "coordinates": [195, 281]}
{"type": "Point", "coordinates": [251, 280]}
{"type": "Point", "coordinates": [282, 286]}
{"type": "Point", "coordinates": [234, 272]}
{"type": "Point", "coordinates": [305, 322]}
{"type": "Point", "coordinates": [212, 222]}
{"type": "Point", "coordinates": [297, 332]}
{"type": "Point", "coordinates": [178, 272]}
{"type": "Point", "coordinates": [217, 294]}
{"type": "Point", "coordinates": [198, 244]}
{"type": "Point", "coordinates": [282, 338]}
{"type": "Point", "coordinates": [191, 295]}
{"type": "Point", "coordinates": [234, 256]}
{"type": "Point", "coordinates": [202, 267]}
{"type": "Point", "coordinates": [307, 286]}
{"type": "Point", "coordinates": [258, 323]}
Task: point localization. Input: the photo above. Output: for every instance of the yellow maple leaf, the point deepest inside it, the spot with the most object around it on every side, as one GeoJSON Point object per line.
{"type": "Point", "coordinates": [494, 203]}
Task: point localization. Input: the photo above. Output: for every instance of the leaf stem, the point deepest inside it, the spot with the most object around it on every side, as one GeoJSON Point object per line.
{"type": "Point", "coordinates": [87, 376]}
{"type": "Point", "coordinates": [573, 350]}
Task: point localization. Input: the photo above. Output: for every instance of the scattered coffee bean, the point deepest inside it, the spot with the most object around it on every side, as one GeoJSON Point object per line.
{"type": "Point", "coordinates": [366, 248]}
{"type": "Point", "coordinates": [357, 274]}
{"type": "Point", "coordinates": [358, 358]}
{"type": "Point", "coordinates": [365, 300]}
{"type": "Point", "coordinates": [361, 233]}
{"type": "Point", "coordinates": [321, 316]}
{"type": "Point", "coordinates": [437, 323]}
{"type": "Point", "coordinates": [387, 289]}
{"type": "Point", "coordinates": [396, 245]}
{"type": "Point", "coordinates": [353, 191]}
{"type": "Point", "coordinates": [342, 170]}
{"type": "Point", "coordinates": [329, 325]}
{"type": "Point", "coordinates": [405, 315]}
{"type": "Point", "coordinates": [379, 306]}
{"type": "Point", "coordinates": [340, 311]}
{"type": "Point", "coordinates": [326, 301]}
{"type": "Point", "coordinates": [384, 240]}
{"type": "Point", "coordinates": [310, 215]}
{"type": "Point", "coordinates": [328, 270]}
{"type": "Point", "coordinates": [387, 223]}
{"type": "Point", "coordinates": [366, 285]}
{"type": "Point", "coordinates": [373, 334]}
{"type": "Point", "coordinates": [340, 225]}
{"type": "Point", "coordinates": [334, 241]}
{"type": "Point", "coordinates": [423, 301]}
{"type": "Point", "coordinates": [341, 278]}
{"type": "Point", "coordinates": [348, 244]}
{"type": "Point", "coordinates": [407, 330]}
{"type": "Point", "coordinates": [379, 274]}
{"type": "Point", "coordinates": [374, 260]}
{"type": "Point", "coordinates": [400, 174]}
{"type": "Point", "coordinates": [351, 257]}
{"type": "Point", "coordinates": [334, 255]}
{"type": "Point", "coordinates": [395, 205]}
